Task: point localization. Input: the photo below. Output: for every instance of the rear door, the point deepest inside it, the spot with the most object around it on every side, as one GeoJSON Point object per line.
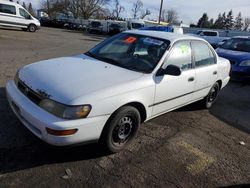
{"type": "Point", "coordinates": [174, 91]}
{"type": "Point", "coordinates": [206, 69]}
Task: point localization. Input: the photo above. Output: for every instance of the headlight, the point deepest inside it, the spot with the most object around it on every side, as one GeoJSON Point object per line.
{"type": "Point", "coordinates": [245, 63]}
{"type": "Point", "coordinates": [64, 111]}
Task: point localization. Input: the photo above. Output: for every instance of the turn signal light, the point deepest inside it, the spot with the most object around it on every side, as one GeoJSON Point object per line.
{"type": "Point", "coordinates": [61, 132]}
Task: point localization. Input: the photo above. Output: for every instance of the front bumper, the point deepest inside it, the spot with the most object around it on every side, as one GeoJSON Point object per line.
{"type": "Point", "coordinates": [36, 120]}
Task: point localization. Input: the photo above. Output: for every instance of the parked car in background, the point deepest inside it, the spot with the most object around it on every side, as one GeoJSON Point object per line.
{"type": "Point", "coordinates": [171, 29]}
{"type": "Point", "coordinates": [237, 51]}
{"type": "Point", "coordinates": [135, 24]}
{"type": "Point", "coordinates": [109, 91]}
{"type": "Point", "coordinates": [213, 37]}
{"type": "Point", "coordinates": [115, 28]}
{"type": "Point", "coordinates": [95, 27]}
{"type": "Point", "coordinates": [14, 15]}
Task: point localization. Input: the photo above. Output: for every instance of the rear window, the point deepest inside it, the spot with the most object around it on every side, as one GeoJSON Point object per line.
{"type": "Point", "coordinates": [212, 34]}
{"type": "Point", "coordinates": [9, 9]}
{"type": "Point", "coordinates": [237, 44]}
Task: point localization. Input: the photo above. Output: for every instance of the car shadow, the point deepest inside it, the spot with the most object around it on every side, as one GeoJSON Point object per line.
{"type": "Point", "coordinates": [17, 155]}
{"type": "Point", "coordinates": [232, 106]}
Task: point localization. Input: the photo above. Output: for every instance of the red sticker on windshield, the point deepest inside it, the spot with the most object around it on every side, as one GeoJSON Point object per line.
{"type": "Point", "coordinates": [130, 40]}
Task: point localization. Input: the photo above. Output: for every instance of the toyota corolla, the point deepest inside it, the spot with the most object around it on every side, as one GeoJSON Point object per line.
{"type": "Point", "coordinates": [105, 94]}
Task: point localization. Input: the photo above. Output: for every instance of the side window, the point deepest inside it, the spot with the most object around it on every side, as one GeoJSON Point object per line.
{"type": "Point", "coordinates": [23, 13]}
{"type": "Point", "coordinates": [202, 54]}
{"type": "Point", "coordinates": [9, 9]}
{"type": "Point", "coordinates": [180, 56]}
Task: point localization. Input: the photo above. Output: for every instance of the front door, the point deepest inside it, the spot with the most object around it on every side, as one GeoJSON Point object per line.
{"type": "Point", "coordinates": [174, 91]}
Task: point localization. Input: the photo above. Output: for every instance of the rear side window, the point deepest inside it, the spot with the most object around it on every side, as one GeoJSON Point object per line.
{"type": "Point", "coordinates": [9, 9]}
{"type": "Point", "coordinates": [203, 55]}
{"type": "Point", "coordinates": [212, 34]}
{"type": "Point", "coordinates": [180, 56]}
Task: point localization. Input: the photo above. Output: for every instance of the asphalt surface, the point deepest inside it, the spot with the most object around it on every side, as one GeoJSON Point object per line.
{"type": "Point", "coordinates": [190, 147]}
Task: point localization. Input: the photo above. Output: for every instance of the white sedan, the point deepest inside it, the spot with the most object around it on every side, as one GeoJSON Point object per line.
{"type": "Point", "coordinates": [105, 94]}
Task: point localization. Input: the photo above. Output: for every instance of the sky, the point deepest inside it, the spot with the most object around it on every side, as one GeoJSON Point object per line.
{"type": "Point", "coordinates": [189, 10]}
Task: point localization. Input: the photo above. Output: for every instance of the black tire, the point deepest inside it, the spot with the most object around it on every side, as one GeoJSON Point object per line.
{"type": "Point", "coordinates": [121, 129]}
{"type": "Point", "coordinates": [212, 96]}
{"type": "Point", "coordinates": [25, 29]}
{"type": "Point", "coordinates": [32, 28]}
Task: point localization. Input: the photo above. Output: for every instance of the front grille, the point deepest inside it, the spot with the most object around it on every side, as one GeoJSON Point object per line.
{"type": "Point", "coordinates": [33, 96]}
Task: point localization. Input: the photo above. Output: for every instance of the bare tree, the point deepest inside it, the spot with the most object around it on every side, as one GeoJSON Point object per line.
{"type": "Point", "coordinates": [137, 7]}
{"type": "Point", "coordinates": [73, 7]}
{"type": "Point", "coordinates": [79, 8]}
{"type": "Point", "coordinates": [172, 16]}
{"type": "Point", "coordinates": [145, 13]}
{"type": "Point", "coordinates": [246, 24]}
{"type": "Point", "coordinates": [118, 9]}
{"type": "Point", "coordinates": [89, 7]}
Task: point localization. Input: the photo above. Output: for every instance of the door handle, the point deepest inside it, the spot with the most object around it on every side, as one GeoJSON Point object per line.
{"type": "Point", "coordinates": [215, 72]}
{"type": "Point", "coordinates": [191, 79]}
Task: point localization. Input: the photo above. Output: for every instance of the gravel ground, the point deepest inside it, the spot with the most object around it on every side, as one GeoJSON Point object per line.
{"type": "Point", "coordinates": [189, 147]}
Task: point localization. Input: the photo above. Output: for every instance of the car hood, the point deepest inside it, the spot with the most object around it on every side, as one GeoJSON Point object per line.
{"type": "Point", "coordinates": [232, 55]}
{"type": "Point", "coordinates": [65, 79]}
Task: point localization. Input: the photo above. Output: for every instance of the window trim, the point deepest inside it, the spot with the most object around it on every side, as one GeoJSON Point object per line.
{"type": "Point", "coordinates": [210, 48]}
{"type": "Point", "coordinates": [171, 49]}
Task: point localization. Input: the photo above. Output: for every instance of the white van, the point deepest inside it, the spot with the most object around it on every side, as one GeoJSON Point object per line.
{"type": "Point", "coordinates": [14, 15]}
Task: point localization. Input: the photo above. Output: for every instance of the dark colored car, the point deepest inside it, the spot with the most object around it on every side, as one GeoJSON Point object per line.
{"type": "Point", "coordinates": [115, 29]}
{"type": "Point", "coordinates": [237, 51]}
{"type": "Point", "coordinates": [95, 27]}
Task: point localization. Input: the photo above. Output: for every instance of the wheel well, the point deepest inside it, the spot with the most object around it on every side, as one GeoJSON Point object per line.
{"type": "Point", "coordinates": [140, 107]}
{"type": "Point", "coordinates": [220, 83]}
{"type": "Point", "coordinates": [32, 24]}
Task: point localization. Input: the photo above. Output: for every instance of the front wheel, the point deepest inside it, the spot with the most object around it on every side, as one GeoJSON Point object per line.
{"type": "Point", "coordinates": [121, 129]}
{"type": "Point", "coordinates": [32, 28]}
{"type": "Point", "coordinates": [212, 96]}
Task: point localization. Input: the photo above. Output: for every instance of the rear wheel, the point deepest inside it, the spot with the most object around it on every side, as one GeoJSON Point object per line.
{"type": "Point", "coordinates": [212, 96]}
{"type": "Point", "coordinates": [121, 129]}
{"type": "Point", "coordinates": [32, 28]}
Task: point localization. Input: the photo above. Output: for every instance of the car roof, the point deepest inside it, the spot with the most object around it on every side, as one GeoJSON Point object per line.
{"type": "Point", "coordinates": [172, 37]}
{"type": "Point", "coordinates": [6, 2]}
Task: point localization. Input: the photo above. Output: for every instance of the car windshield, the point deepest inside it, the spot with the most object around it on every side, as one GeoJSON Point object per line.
{"type": "Point", "coordinates": [237, 44]}
{"type": "Point", "coordinates": [134, 52]}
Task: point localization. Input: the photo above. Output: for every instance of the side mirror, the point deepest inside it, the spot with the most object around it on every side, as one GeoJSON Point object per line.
{"type": "Point", "coordinates": [172, 70]}
{"type": "Point", "coordinates": [28, 17]}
